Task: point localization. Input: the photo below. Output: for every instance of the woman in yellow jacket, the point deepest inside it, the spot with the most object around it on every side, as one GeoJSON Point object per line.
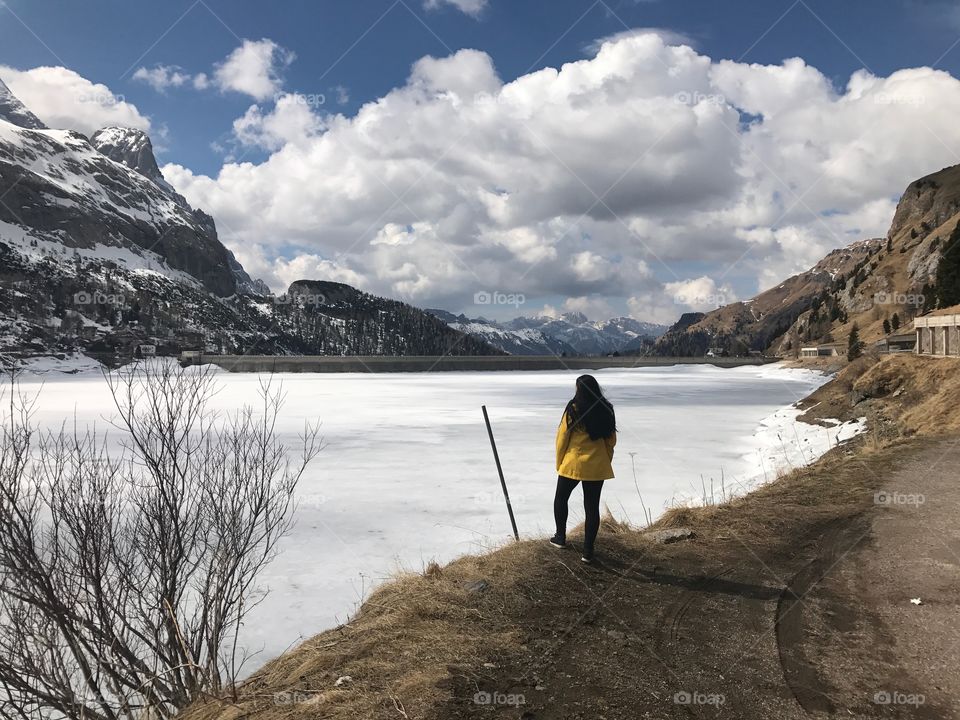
{"type": "Point", "coordinates": [585, 441]}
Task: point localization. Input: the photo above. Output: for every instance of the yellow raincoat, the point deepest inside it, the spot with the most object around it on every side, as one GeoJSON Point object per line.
{"type": "Point", "coordinates": [579, 457]}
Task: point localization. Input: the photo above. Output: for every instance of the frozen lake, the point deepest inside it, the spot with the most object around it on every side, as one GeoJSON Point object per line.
{"type": "Point", "coordinates": [407, 475]}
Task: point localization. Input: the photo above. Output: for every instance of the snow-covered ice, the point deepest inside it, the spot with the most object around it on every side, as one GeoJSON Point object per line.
{"type": "Point", "coordinates": [407, 475]}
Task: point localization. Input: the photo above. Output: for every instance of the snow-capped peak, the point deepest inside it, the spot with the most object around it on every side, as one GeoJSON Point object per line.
{"type": "Point", "coordinates": [15, 112]}
{"type": "Point", "coordinates": [132, 148]}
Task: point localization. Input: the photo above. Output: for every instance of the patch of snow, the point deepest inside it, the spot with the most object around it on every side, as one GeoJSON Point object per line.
{"type": "Point", "coordinates": [69, 364]}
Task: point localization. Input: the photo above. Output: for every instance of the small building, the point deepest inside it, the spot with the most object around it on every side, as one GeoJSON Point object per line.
{"type": "Point", "coordinates": [146, 351]}
{"type": "Point", "coordinates": [191, 357]}
{"type": "Point", "coordinates": [897, 342]}
{"type": "Point", "coordinates": [938, 333]}
{"type": "Point", "coordinates": [824, 350]}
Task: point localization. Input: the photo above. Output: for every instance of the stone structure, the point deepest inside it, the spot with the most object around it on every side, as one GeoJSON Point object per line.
{"type": "Point", "coordinates": [938, 333]}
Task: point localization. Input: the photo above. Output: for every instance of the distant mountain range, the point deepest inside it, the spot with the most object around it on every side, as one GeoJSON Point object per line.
{"type": "Point", "coordinates": [569, 334]}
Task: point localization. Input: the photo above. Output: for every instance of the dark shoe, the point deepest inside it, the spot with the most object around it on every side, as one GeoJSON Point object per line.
{"type": "Point", "coordinates": [587, 559]}
{"type": "Point", "coordinates": [558, 542]}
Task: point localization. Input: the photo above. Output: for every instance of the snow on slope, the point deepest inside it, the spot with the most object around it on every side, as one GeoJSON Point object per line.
{"type": "Point", "coordinates": [571, 334]}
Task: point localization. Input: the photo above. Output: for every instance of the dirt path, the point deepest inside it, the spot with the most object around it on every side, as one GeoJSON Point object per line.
{"type": "Point", "coordinates": [820, 625]}
{"type": "Point", "coordinates": [857, 642]}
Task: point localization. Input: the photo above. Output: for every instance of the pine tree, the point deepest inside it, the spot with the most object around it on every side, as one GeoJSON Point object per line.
{"type": "Point", "coordinates": [886, 327]}
{"type": "Point", "coordinates": [929, 293]}
{"type": "Point", "coordinates": [854, 345]}
{"type": "Point", "coordinates": [948, 272]}
{"type": "Point", "coordinates": [895, 322]}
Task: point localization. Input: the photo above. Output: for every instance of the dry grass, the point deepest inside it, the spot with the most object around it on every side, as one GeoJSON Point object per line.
{"type": "Point", "coordinates": [425, 637]}
{"type": "Point", "coordinates": [400, 646]}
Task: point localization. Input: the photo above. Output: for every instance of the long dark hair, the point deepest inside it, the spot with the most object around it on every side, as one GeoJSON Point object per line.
{"type": "Point", "coordinates": [590, 410]}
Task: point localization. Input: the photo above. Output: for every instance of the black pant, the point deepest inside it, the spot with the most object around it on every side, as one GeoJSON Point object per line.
{"type": "Point", "coordinates": [591, 507]}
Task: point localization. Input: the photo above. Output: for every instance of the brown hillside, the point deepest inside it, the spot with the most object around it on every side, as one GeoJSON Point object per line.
{"type": "Point", "coordinates": [864, 284]}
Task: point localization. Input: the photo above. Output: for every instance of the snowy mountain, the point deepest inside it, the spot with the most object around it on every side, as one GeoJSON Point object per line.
{"type": "Point", "coordinates": [15, 112]}
{"type": "Point", "coordinates": [570, 334]}
{"type": "Point", "coordinates": [522, 341]}
{"type": "Point", "coordinates": [99, 253]}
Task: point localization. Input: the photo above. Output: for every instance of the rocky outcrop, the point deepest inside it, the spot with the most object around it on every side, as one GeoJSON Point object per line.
{"type": "Point", "coordinates": [15, 112]}
{"type": "Point", "coordinates": [61, 189]}
{"type": "Point", "coordinates": [927, 203]}
{"type": "Point", "coordinates": [129, 147]}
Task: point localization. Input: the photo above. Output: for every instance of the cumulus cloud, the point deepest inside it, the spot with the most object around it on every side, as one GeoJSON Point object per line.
{"type": "Point", "coordinates": [255, 69]}
{"type": "Point", "coordinates": [700, 294]}
{"type": "Point", "coordinates": [471, 7]}
{"type": "Point", "coordinates": [669, 37]}
{"type": "Point", "coordinates": [162, 77]}
{"type": "Point", "coordinates": [291, 121]}
{"type": "Point", "coordinates": [64, 100]}
{"type": "Point", "coordinates": [634, 176]}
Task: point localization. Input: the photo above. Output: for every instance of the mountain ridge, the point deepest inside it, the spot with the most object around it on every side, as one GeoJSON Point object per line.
{"type": "Point", "coordinates": [99, 254]}
{"type": "Point", "coordinates": [876, 285]}
{"type": "Point", "coordinates": [569, 334]}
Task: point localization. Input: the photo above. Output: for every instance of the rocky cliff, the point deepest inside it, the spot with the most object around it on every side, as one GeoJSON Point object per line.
{"type": "Point", "coordinates": [98, 253]}
{"type": "Point", "coordinates": [878, 285]}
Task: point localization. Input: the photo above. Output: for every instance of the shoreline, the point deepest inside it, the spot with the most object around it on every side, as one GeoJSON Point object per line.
{"type": "Point", "coordinates": [451, 363]}
{"type": "Point", "coordinates": [515, 620]}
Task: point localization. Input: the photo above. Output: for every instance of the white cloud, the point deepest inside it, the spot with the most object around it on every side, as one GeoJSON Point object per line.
{"type": "Point", "coordinates": [162, 77]}
{"type": "Point", "coordinates": [629, 176]}
{"type": "Point", "coordinates": [699, 294]}
{"type": "Point", "coordinates": [473, 8]}
{"type": "Point", "coordinates": [669, 37]}
{"type": "Point", "coordinates": [290, 121]}
{"type": "Point", "coordinates": [64, 100]}
{"type": "Point", "coordinates": [255, 69]}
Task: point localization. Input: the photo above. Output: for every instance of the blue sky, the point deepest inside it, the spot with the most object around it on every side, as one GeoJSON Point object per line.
{"type": "Point", "coordinates": [730, 211]}
{"type": "Point", "coordinates": [105, 41]}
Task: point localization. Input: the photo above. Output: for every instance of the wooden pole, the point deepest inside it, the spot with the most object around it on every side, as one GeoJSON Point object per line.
{"type": "Point", "coordinates": [503, 483]}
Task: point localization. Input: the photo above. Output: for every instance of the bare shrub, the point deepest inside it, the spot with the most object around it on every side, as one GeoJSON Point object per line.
{"type": "Point", "coordinates": [125, 574]}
